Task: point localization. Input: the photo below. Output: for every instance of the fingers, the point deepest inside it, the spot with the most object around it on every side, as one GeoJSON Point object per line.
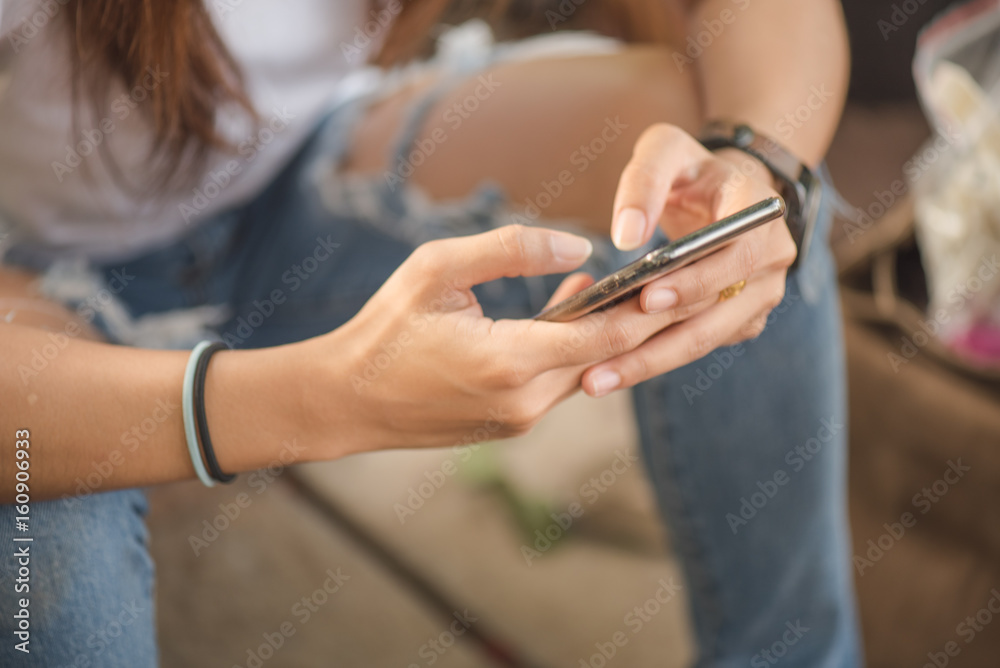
{"type": "Point", "coordinates": [728, 322]}
{"type": "Point", "coordinates": [571, 285]}
{"type": "Point", "coordinates": [540, 395]}
{"type": "Point", "coordinates": [542, 346]}
{"type": "Point", "coordinates": [663, 156]}
{"type": "Point", "coordinates": [653, 304]}
{"type": "Point", "coordinates": [706, 278]}
{"type": "Point", "coordinates": [509, 251]}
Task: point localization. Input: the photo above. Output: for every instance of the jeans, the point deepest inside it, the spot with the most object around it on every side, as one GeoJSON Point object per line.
{"type": "Point", "coordinates": [746, 448]}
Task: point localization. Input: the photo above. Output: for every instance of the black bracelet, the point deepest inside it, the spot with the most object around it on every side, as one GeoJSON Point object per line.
{"type": "Point", "coordinates": [200, 372]}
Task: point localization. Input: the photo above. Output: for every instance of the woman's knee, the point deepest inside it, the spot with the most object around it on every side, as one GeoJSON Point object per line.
{"type": "Point", "coordinates": [569, 120]}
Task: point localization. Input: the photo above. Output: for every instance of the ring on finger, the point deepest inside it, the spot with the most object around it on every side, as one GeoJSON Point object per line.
{"type": "Point", "coordinates": [732, 291]}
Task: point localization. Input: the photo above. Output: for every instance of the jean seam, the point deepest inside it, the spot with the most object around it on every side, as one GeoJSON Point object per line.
{"type": "Point", "coordinates": [686, 538]}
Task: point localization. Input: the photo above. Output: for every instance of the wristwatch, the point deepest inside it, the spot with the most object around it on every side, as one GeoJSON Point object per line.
{"type": "Point", "coordinates": [798, 186]}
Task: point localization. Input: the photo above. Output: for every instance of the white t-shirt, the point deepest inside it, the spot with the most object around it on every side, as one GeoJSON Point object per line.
{"type": "Point", "coordinates": [55, 189]}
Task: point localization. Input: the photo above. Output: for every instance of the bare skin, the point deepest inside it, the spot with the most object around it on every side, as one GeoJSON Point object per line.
{"type": "Point", "coordinates": [554, 106]}
{"type": "Point", "coordinates": [463, 367]}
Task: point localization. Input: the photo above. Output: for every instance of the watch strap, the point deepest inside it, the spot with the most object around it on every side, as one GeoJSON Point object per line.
{"type": "Point", "coordinates": [796, 183]}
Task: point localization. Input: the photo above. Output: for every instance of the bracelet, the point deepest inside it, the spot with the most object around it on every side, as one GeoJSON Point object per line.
{"type": "Point", "coordinates": [187, 407]}
{"type": "Point", "coordinates": [200, 372]}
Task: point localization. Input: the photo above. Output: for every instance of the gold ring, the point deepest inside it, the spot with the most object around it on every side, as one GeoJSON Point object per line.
{"type": "Point", "coordinates": [732, 291]}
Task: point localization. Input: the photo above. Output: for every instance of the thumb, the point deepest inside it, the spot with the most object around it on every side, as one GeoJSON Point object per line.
{"type": "Point", "coordinates": [571, 285]}
{"type": "Point", "coordinates": [508, 251]}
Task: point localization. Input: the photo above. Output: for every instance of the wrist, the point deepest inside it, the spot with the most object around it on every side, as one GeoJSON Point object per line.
{"type": "Point", "coordinates": [259, 411]}
{"type": "Point", "coordinates": [325, 374]}
{"type": "Point", "coordinates": [748, 165]}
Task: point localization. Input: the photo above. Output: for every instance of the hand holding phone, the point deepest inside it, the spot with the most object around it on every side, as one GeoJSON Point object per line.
{"type": "Point", "coordinates": [629, 281]}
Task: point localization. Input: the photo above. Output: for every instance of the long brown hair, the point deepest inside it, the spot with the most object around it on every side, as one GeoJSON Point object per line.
{"type": "Point", "coordinates": [124, 39]}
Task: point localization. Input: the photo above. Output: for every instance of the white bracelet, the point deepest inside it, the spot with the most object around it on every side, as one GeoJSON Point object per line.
{"type": "Point", "coordinates": [187, 405]}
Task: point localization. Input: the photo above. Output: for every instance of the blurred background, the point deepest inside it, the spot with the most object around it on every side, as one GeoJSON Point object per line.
{"type": "Point", "coordinates": [480, 557]}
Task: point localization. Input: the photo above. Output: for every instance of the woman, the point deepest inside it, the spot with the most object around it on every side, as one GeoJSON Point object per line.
{"type": "Point", "coordinates": [228, 171]}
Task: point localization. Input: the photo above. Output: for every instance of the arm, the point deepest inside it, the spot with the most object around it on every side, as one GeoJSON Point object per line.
{"type": "Point", "coordinates": [110, 414]}
{"type": "Point", "coordinates": [93, 408]}
{"type": "Point", "coordinates": [766, 60]}
{"type": "Point", "coordinates": [775, 57]}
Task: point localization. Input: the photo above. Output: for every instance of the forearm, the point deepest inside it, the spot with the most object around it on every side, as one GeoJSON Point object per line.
{"type": "Point", "coordinates": [104, 417]}
{"type": "Point", "coordinates": [779, 65]}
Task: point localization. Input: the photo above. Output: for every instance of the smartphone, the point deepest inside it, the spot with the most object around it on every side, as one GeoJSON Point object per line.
{"type": "Point", "coordinates": [628, 281]}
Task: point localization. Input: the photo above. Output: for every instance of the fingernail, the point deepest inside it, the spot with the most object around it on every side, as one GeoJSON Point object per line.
{"type": "Point", "coordinates": [605, 381]}
{"type": "Point", "coordinates": [629, 229]}
{"type": "Point", "coordinates": [660, 300]}
{"type": "Point", "coordinates": [570, 248]}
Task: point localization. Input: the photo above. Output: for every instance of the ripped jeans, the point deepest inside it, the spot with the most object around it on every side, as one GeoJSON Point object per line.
{"type": "Point", "coordinates": [746, 448]}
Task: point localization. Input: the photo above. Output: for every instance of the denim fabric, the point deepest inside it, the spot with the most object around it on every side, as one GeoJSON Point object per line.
{"type": "Point", "coordinates": [90, 585]}
{"type": "Point", "coordinates": [745, 448]}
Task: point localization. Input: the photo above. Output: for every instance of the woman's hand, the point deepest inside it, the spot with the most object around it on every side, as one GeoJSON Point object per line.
{"type": "Point", "coordinates": [420, 365]}
{"type": "Point", "coordinates": [674, 182]}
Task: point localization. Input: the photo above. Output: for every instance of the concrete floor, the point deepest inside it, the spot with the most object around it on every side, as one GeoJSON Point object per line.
{"type": "Point", "coordinates": [228, 605]}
